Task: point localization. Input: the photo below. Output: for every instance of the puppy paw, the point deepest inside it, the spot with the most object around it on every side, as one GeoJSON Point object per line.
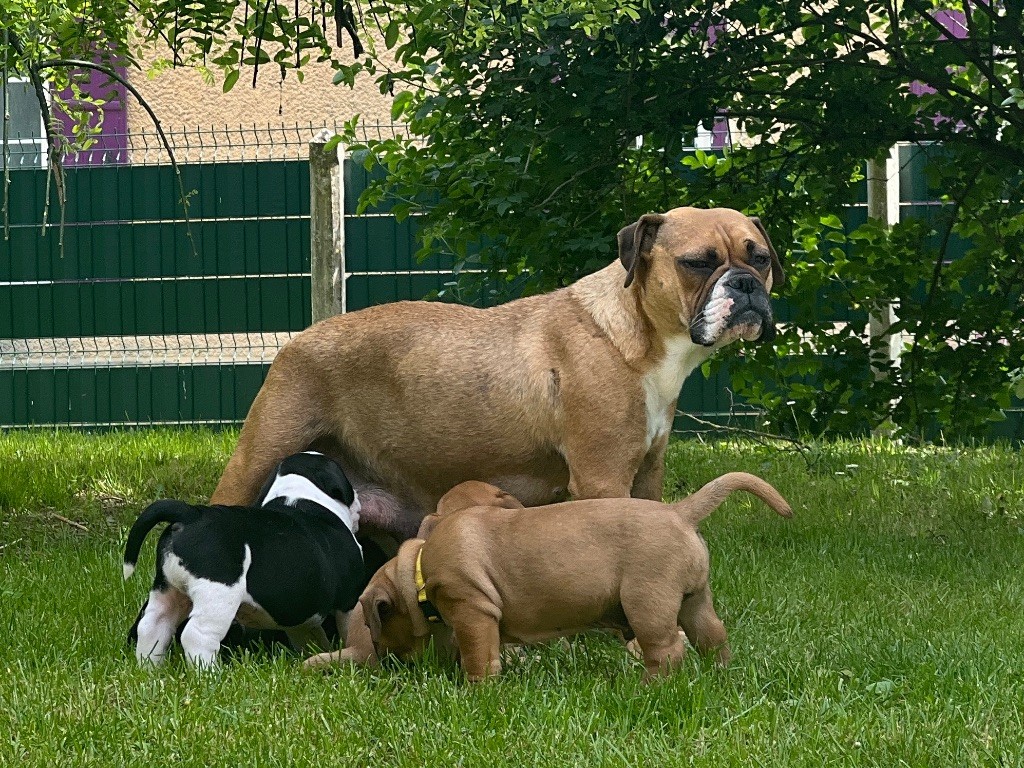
{"type": "Point", "coordinates": [325, 662]}
{"type": "Point", "coordinates": [634, 649]}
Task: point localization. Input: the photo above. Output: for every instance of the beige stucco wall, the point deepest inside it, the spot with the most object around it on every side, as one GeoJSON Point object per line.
{"type": "Point", "coordinates": [272, 119]}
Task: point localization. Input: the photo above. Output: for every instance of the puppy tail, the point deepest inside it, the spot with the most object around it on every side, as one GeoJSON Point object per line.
{"type": "Point", "coordinates": [705, 501]}
{"type": "Point", "coordinates": [164, 511]}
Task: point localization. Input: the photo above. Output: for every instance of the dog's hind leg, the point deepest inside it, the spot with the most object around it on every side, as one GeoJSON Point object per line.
{"type": "Point", "coordinates": [703, 628]}
{"type": "Point", "coordinates": [164, 611]}
{"type": "Point", "coordinates": [652, 618]}
{"type": "Point", "coordinates": [214, 606]}
{"type": "Point", "coordinates": [661, 646]}
{"type": "Point", "coordinates": [285, 418]}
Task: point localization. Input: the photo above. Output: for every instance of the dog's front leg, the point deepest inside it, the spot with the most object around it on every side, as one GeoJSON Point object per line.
{"type": "Point", "coordinates": [602, 469]}
{"type": "Point", "coordinates": [650, 478]}
{"type": "Point", "coordinates": [479, 643]}
{"type": "Point", "coordinates": [603, 454]}
{"type": "Point", "coordinates": [307, 637]}
{"type": "Point", "coordinates": [358, 643]}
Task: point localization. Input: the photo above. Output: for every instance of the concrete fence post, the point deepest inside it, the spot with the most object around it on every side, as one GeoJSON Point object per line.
{"type": "Point", "coordinates": [326, 226]}
{"type": "Point", "coordinates": [883, 182]}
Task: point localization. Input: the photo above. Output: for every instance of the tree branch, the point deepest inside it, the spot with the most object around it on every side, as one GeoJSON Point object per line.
{"type": "Point", "coordinates": [111, 73]}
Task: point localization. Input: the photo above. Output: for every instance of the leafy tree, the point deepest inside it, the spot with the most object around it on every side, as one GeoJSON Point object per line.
{"type": "Point", "coordinates": [524, 155]}
{"type": "Point", "coordinates": [55, 44]}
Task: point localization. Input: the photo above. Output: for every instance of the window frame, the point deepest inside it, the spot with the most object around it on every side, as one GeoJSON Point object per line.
{"type": "Point", "coordinates": [40, 142]}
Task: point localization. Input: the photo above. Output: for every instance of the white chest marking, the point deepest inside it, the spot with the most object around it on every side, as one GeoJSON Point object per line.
{"type": "Point", "coordinates": [663, 383]}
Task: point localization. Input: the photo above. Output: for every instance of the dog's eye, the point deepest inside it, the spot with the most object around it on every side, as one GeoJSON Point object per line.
{"type": "Point", "coordinates": [692, 263]}
{"type": "Point", "coordinates": [759, 260]}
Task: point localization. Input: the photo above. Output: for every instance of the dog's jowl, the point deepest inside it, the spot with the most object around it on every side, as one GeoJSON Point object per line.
{"type": "Point", "coordinates": [286, 564]}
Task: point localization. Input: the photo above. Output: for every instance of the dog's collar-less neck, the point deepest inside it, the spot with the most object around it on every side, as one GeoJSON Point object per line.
{"type": "Point", "coordinates": [293, 488]}
{"type": "Point", "coordinates": [429, 609]}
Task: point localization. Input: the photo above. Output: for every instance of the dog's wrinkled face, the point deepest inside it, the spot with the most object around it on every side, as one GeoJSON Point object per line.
{"type": "Point", "coordinates": [705, 272]}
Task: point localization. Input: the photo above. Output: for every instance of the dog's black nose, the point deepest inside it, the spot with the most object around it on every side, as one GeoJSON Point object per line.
{"type": "Point", "coordinates": [744, 282]}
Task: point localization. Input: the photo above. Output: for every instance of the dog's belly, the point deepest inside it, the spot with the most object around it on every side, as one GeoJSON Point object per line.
{"type": "Point", "coordinates": [543, 632]}
{"type": "Point", "coordinates": [401, 491]}
{"type": "Point", "coordinates": [533, 473]}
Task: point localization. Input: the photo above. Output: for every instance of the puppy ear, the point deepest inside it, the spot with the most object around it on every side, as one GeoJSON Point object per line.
{"type": "Point", "coordinates": [507, 501]}
{"type": "Point", "coordinates": [378, 606]}
{"type": "Point", "coordinates": [428, 525]}
{"type": "Point", "coordinates": [778, 276]}
{"type": "Point", "coordinates": [635, 243]}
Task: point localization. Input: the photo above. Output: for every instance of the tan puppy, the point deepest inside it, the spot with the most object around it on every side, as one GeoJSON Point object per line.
{"type": "Point", "coordinates": [413, 398]}
{"type": "Point", "coordinates": [527, 575]}
{"type": "Point", "coordinates": [358, 643]}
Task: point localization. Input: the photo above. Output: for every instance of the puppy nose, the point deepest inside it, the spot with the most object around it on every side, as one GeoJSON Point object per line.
{"type": "Point", "coordinates": [744, 282]}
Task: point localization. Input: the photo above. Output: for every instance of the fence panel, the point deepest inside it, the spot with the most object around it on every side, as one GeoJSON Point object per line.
{"type": "Point", "coordinates": [142, 318]}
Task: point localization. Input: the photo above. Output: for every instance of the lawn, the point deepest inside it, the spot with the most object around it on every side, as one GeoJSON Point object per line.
{"type": "Point", "coordinates": [883, 625]}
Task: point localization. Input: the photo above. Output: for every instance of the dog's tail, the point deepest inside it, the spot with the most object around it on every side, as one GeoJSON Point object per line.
{"type": "Point", "coordinates": [705, 501]}
{"type": "Point", "coordinates": [164, 511]}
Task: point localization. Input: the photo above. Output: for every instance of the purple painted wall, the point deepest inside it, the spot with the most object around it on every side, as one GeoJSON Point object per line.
{"type": "Point", "coordinates": [955, 23]}
{"type": "Point", "coordinates": [111, 147]}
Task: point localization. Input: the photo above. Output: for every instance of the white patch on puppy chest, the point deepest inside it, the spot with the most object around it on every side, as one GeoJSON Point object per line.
{"type": "Point", "coordinates": [663, 383]}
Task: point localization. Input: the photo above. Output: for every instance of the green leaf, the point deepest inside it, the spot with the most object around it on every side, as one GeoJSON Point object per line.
{"type": "Point", "coordinates": [230, 79]}
{"type": "Point", "coordinates": [391, 34]}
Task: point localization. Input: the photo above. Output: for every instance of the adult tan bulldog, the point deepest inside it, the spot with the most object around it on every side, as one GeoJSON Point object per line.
{"type": "Point", "coordinates": [568, 392]}
{"type": "Point", "coordinates": [489, 575]}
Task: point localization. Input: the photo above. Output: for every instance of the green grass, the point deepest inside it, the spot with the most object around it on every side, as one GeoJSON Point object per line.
{"type": "Point", "coordinates": [883, 625]}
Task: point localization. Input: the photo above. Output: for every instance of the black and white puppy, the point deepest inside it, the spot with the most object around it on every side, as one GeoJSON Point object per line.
{"type": "Point", "coordinates": [286, 563]}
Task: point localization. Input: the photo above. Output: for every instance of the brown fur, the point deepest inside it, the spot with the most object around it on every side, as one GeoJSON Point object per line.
{"type": "Point", "coordinates": [358, 644]}
{"type": "Point", "coordinates": [527, 575]}
{"type": "Point", "coordinates": [471, 493]}
{"type": "Point", "coordinates": [567, 393]}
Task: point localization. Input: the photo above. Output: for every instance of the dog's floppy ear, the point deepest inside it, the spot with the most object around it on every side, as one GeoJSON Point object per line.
{"type": "Point", "coordinates": [378, 606]}
{"type": "Point", "coordinates": [427, 525]}
{"type": "Point", "coordinates": [507, 501]}
{"type": "Point", "coordinates": [778, 276]}
{"type": "Point", "coordinates": [635, 243]}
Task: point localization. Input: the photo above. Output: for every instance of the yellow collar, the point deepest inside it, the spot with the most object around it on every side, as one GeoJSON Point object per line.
{"type": "Point", "coordinates": [429, 609]}
{"type": "Point", "coordinates": [421, 585]}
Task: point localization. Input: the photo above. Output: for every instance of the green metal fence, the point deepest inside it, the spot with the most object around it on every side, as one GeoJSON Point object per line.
{"type": "Point", "coordinates": [141, 318]}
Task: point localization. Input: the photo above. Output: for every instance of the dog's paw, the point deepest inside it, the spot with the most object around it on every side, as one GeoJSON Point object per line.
{"type": "Point", "coordinates": [325, 662]}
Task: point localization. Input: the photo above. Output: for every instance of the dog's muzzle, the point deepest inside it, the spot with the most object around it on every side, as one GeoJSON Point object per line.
{"type": "Point", "coordinates": [738, 306]}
